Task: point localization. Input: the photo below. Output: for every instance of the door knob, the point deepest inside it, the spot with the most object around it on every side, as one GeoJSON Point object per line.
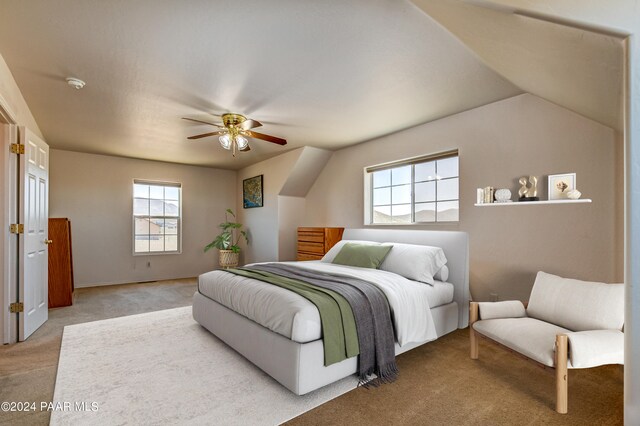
{"type": "Point", "coordinates": [47, 242]}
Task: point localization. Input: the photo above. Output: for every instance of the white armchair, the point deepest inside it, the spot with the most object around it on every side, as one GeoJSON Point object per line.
{"type": "Point", "coordinates": [567, 324]}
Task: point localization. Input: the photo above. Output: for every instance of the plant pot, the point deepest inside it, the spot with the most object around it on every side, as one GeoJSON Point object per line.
{"type": "Point", "coordinates": [229, 259]}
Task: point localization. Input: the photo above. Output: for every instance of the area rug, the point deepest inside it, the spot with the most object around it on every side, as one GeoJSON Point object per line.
{"type": "Point", "coordinates": [163, 368]}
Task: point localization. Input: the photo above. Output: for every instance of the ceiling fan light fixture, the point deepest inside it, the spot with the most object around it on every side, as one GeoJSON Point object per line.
{"type": "Point", "coordinates": [234, 132]}
{"type": "Point", "coordinates": [225, 141]}
{"type": "Point", "coordinates": [242, 142]}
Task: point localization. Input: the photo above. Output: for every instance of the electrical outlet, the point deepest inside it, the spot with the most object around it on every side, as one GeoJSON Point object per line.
{"type": "Point", "coordinates": [494, 297]}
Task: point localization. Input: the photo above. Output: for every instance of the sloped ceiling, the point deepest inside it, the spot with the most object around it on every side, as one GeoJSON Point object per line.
{"type": "Point", "coordinates": [305, 172]}
{"type": "Point", "coordinates": [577, 69]}
{"type": "Point", "coordinates": [326, 74]}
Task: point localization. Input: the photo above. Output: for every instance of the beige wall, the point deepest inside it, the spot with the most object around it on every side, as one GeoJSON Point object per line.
{"type": "Point", "coordinates": [262, 222]}
{"type": "Point", "coordinates": [290, 217]}
{"type": "Point", "coordinates": [95, 193]}
{"type": "Point", "coordinates": [287, 179]}
{"type": "Point", "coordinates": [498, 143]}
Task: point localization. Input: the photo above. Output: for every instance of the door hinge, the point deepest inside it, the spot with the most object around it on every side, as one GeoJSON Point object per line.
{"type": "Point", "coordinates": [16, 148]}
{"type": "Point", "coordinates": [14, 308]}
{"type": "Point", "coordinates": [16, 228]}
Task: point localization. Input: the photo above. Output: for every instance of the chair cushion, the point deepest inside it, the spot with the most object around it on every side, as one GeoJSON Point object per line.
{"type": "Point", "coordinates": [531, 337]}
{"type": "Point", "coordinates": [593, 348]}
{"type": "Point", "coordinates": [577, 305]}
{"type": "Point", "coordinates": [505, 309]}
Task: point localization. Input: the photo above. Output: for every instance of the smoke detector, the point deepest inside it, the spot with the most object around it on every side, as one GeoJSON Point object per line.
{"type": "Point", "coordinates": [76, 83]}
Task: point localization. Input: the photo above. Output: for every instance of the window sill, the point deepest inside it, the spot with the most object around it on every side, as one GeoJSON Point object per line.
{"type": "Point", "coordinates": [159, 253]}
{"type": "Point", "coordinates": [412, 224]}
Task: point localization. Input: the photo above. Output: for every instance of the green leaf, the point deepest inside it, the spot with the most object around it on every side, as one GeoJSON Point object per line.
{"type": "Point", "coordinates": [225, 240]}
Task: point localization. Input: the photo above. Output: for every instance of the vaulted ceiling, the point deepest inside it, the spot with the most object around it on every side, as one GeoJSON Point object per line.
{"type": "Point", "coordinates": [525, 42]}
{"type": "Point", "coordinates": [326, 74]}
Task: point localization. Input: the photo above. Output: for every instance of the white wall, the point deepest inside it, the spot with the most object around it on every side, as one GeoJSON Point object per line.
{"type": "Point", "coordinates": [498, 143]}
{"type": "Point", "coordinates": [632, 273]}
{"type": "Point", "coordinates": [95, 193]}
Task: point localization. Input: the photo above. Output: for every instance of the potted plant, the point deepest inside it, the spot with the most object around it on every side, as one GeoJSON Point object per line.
{"type": "Point", "coordinates": [227, 241]}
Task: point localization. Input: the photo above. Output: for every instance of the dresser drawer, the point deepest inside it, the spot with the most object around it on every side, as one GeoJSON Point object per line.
{"type": "Point", "coordinates": [311, 236]}
{"type": "Point", "coordinates": [314, 242]}
{"type": "Point", "coordinates": [311, 247]}
{"type": "Point", "coordinates": [307, 256]}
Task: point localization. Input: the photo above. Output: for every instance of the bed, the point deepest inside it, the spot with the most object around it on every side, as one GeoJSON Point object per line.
{"type": "Point", "coordinates": [291, 349]}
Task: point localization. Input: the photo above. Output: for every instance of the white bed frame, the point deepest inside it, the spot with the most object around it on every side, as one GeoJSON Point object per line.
{"type": "Point", "coordinates": [300, 366]}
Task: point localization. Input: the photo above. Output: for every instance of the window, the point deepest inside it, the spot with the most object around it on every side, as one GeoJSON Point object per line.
{"type": "Point", "coordinates": [156, 217]}
{"type": "Point", "coordinates": [419, 190]}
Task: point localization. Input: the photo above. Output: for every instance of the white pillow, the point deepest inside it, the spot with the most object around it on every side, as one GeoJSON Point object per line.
{"type": "Point", "coordinates": [505, 309]}
{"type": "Point", "coordinates": [333, 251]}
{"type": "Point", "coordinates": [442, 274]}
{"type": "Point", "coordinates": [418, 263]}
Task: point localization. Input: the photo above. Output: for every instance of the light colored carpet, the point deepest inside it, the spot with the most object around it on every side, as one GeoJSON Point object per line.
{"type": "Point", "coordinates": [164, 368]}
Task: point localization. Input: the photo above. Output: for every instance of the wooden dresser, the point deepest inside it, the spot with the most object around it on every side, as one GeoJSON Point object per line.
{"type": "Point", "coordinates": [60, 263]}
{"type": "Point", "coordinates": [313, 243]}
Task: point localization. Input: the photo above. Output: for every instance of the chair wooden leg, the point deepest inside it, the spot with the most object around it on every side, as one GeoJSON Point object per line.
{"type": "Point", "coordinates": [473, 337]}
{"type": "Point", "coordinates": [562, 394]}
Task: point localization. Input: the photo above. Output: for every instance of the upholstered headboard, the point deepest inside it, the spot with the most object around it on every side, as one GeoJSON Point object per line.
{"type": "Point", "coordinates": [454, 244]}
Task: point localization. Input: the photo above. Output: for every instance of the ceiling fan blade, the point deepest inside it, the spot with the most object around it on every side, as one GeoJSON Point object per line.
{"type": "Point", "coordinates": [203, 122]}
{"type": "Point", "coordinates": [249, 124]}
{"type": "Point", "coordinates": [247, 148]}
{"type": "Point", "coordinates": [204, 135]}
{"type": "Point", "coordinates": [267, 138]}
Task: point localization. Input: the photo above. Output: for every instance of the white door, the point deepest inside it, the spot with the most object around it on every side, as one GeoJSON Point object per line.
{"type": "Point", "coordinates": [34, 214]}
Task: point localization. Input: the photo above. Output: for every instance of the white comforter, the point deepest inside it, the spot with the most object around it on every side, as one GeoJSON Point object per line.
{"type": "Point", "coordinates": [293, 316]}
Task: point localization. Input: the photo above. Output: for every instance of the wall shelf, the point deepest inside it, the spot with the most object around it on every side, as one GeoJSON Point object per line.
{"type": "Point", "coordinates": [533, 203]}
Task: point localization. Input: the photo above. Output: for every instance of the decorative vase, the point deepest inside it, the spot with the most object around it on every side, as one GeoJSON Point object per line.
{"type": "Point", "coordinates": [574, 194]}
{"type": "Point", "coordinates": [503, 195]}
{"type": "Point", "coordinates": [229, 259]}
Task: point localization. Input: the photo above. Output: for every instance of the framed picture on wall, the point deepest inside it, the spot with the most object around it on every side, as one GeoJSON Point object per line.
{"type": "Point", "coordinates": [252, 194]}
{"type": "Point", "coordinates": [559, 185]}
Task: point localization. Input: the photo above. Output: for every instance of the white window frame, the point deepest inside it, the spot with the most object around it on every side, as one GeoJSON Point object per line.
{"type": "Point", "coordinates": [368, 189]}
{"type": "Point", "coordinates": [133, 217]}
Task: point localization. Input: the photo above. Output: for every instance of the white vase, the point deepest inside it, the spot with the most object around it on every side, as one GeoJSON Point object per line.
{"type": "Point", "coordinates": [503, 195]}
{"type": "Point", "coordinates": [574, 194]}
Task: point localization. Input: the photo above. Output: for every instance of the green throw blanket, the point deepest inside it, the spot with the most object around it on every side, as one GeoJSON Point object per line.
{"type": "Point", "coordinates": [338, 324]}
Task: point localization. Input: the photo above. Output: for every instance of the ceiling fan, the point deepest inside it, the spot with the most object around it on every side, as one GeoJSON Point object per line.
{"type": "Point", "coordinates": [234, 131]}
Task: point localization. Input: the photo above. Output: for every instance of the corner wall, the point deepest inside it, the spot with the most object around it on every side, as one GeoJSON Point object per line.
{"type": "Point", "coordinates": [287, 179]}
{"type": "Point", "coordinates": [95, 193]}
{"type": "Point", "coordinates": [261, 223]}
{"type": "Point", "coordinates": [11, 96]}
{"type": "Point", "coordinates": [498, 143]}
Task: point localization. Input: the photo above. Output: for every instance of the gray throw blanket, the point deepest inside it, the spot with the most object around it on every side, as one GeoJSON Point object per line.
{"type": "Point", "coordinates": [370, 310]}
